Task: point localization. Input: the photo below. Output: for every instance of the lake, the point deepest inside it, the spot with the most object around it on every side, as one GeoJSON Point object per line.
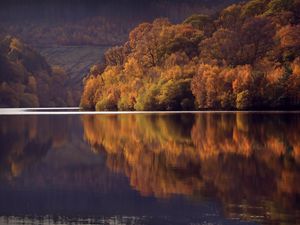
{"type": "Point", "coordinates": [149, 168]}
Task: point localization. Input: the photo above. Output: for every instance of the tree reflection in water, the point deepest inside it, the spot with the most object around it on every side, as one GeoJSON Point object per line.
{"type": "Point", "coordinates": [248, 161]}
{"type": "Point", "coordinates": [26, 139]}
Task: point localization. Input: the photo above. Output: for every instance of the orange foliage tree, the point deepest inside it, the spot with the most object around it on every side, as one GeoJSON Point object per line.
{"type": "Point", "coordinates": [243, 58]}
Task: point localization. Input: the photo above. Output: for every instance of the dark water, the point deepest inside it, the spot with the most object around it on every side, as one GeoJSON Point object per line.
{"type": "Point", "coordinates": [205, 168]}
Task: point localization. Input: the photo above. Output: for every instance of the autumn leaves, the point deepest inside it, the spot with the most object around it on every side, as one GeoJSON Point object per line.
{"type": "Point", "coordinates": [246, 57]}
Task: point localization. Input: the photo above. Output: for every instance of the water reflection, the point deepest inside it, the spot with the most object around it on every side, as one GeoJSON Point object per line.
{"type": "Point", "coordinates": [48, 152]}
{"type": "Point", "coordinates": [248, 161]}
{"type": "Point", "coordinates": [80, 166]}
{"type": "Point", "coordinates": [26, 139]}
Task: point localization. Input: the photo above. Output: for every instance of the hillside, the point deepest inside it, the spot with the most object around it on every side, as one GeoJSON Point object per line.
{"type": "Point", "coordinates": [27, 80]}
{"type": "Point", "coordinates": [76, 60]}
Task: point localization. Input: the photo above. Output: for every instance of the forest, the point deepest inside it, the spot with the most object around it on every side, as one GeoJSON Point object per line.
{"type": "Point", "coordinates": [27, 80]}
{"type": "Point", "coordinates": [246, 56]}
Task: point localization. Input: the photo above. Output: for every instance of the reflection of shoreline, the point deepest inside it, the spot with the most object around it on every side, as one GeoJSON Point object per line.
{"type": "Point", "coordinates": [79, 111]}
{"type": "Point", "coordinates": [48, 152]}
{"type": "Point", "coordinates": [26, 139]}
{"type": "Point", "coordinates": [243, 159]}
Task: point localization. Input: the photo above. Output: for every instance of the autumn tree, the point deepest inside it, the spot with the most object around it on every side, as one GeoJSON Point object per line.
{"type": "Point", "coordinates": [88, 96]}
{"type": "Point", "coordinates": [222, 47]}
{"type": "Point", "coordinates": [257, 38]}
{"type": "Point", "coordinates": [28, 80]}
{"type": "Point", "coordinates": [230, 17]}
{"type": "Point", "coordinates": [250, 43]}
{"type": "Point", "coordinates": [202, 22]}
{"type": "Point", "coordinates": [116, 55]}
{"type": "Point", "coordinates": [289, 42]}
{"type": "Point", "coordinates": [145, 44]}
{"type": "Point", "coordinates": [254, 7]}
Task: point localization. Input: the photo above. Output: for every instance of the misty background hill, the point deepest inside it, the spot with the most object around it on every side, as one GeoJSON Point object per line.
{"type": "Point", "coordinates": [91, 22]}
{"type": "Point", "coordinates": [54, 11]}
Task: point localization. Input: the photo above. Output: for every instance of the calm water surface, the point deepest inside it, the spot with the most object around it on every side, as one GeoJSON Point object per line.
{"type": "Point", "coordinates": [202, 168]}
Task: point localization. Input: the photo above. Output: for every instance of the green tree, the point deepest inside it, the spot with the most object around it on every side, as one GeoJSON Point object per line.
{"type": "Point", "coordinates": [254, 7]}
{"type": "Point", "coordinates": [276, 6]}
{"type": "Point", "coordinates": [201, 22]}
{"type": "Point", "coordinates": [243, 100]}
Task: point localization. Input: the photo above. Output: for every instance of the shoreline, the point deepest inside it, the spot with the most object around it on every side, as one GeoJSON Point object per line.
{"type": "Point", "coordinates": [77, 111]}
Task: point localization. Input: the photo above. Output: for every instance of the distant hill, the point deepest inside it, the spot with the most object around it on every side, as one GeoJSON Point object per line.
{"type": "Point", "coordinates": [78, 22]}
{"type": "Point", "coordinates": [76, 60]}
